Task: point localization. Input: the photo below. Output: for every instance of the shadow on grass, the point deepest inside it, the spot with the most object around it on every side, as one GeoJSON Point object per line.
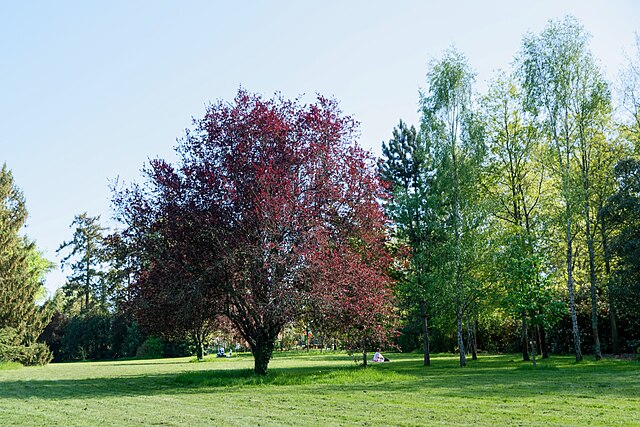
{"type": "Point", "coordinates": [497, 377]}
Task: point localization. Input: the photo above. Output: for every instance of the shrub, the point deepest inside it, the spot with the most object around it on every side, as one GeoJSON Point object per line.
{"type": "Point", "coordinates": [132, 341]}
{"type": "Point", "coordinates": [88, 337]}
{"type": "Point", "coordinates": [152, 348]}
{"type": "Point", "coordinates": [12, 350]}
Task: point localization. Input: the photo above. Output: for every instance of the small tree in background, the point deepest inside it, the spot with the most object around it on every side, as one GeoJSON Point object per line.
{"type": "Point", "coordinates": [86, 258]}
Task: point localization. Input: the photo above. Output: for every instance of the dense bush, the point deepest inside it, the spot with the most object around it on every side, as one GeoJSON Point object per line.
{"type": "Point", "coordinates": [11, 350]}
{"type": "Point", "coordinates": [152, 348]}
{"type": "Point", "coordinates": [87, 337]}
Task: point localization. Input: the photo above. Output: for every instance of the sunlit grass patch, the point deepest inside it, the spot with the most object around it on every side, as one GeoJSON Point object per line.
{"type": "Point", "coordinates": [289, 377]}
{"type": "Point", "coordinates": [324, 388]}
{"type": "Point", "coordinates": [5, 366]}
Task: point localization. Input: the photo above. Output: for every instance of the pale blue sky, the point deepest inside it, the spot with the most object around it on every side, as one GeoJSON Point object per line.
{"type": "Point", "coordinates": [90, 90]}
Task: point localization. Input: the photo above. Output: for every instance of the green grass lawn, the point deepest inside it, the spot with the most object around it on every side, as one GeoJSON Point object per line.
{"type": "Point", "coordinates": [323, 389]}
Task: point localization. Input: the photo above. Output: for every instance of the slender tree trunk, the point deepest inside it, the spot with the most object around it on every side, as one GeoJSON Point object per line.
{"type": "Point", "coordinates": [470, 338]}
{"type": "Point", "coordinates": [525, 339]}
{"type": "Point", "coordinates": [615, 348]}
{"type": "Point", "coordinates": [592, 280]}
{"type": "Point", "coordinates": [87, 285]}
{"type": "Point", "coordinates": [457, 238]}
{"type": "Point", "coordinates": [469, 335]}
{"type": "Point", "coordinates": [364, 353]}
{"type": "Point", "coordinates": [471, 348]}
{"type": "Point", "coordinates": [565, 165]}
{"type": "Point", "coordinates": [475, 339]}
{"type": "Point", "coordinates": [543, 343]}
{"type": "Point", "coordinates": [463, 357]}
{"type": "Point", "coordinates": [533, 352]}
{"type": "Point", "coordinates": [425, 333]}
{"type": "Point", "coordinates": [572, 300]}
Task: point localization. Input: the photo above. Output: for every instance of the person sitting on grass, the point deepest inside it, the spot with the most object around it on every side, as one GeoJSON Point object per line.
{"type": "Point", "coordinates": [378, 357]}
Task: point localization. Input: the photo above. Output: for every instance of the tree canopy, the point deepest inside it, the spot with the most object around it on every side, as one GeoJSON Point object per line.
{"type": "Point", "coordinates": [267, 197]}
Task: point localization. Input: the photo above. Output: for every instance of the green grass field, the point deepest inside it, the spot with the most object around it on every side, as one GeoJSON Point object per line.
{"type": "Point", "coordinates": [323, 389]}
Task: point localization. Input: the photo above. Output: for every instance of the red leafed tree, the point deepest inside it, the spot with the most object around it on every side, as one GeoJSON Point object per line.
{"type": "Point", "coordinates": [172, 295]}
{"type": "Point", "coordinates": [274, 209]}
{"type": "Point", "coordinates": [352, 298]}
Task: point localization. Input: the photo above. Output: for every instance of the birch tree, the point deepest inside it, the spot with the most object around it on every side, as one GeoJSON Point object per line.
{"type": "Point", "coordinates": [448, 122]}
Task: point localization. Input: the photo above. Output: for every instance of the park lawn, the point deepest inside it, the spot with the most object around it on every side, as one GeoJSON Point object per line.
{"type": "Point", "coordinates": [323, 389]}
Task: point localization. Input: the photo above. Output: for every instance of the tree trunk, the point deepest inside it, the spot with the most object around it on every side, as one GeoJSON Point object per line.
{"type": "Point", "coordinates": [565, 164]}
{"type": "Point", "coordinates": [525, 339]}
{"type": "Point", "coordinates": [615, 348]}
{"type": "Point", "coordinates": [463, 357]}
{"type": "Point", "coordinates": [364, 353]}
{"type": "Point", "coordinates": [474, 354]}
{"type": "Point", "coordinates": [592, 280]}
{"type": "Point", "coordinates": [471, 348]}
{"type": "Point", "coordinates": [543, 343]}
{"type": "Point", "coordinates": [572, 300]}
{"type": "Point", "coordinates": [262, 352]}
{"type": "Point", "coordinates": [469, 335]}
{"type": "Point", "coordinates": [457, 237]}
{"type": "Point", "coordinates": [533, 352]}
{"type": "Point", "coordinates": [199, 350]}
{"type": "Point", "coordinates": [425, 334]}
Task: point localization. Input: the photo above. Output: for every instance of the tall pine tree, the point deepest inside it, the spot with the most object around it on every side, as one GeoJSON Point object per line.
{"type": "Point", "coordinates": [22, 270]}
{"type": "Point", "coordinates": [407, 166]}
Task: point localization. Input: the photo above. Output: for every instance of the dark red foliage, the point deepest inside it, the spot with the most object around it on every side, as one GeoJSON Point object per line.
{"type": "Point", "coordinates": [272, 210]}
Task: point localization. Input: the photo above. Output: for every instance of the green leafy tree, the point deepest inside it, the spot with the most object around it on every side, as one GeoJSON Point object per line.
{"type": "Point", "coordinates": [565, 87]}
{"type": "Point", "coordinates": [22, 270]}
{"type": "Point", "coordinates": [622, 211]}
{"type": "Point", "coordinates": [452, 129]}
{"type": "Point", "coordinates": [514, 178]}
{"type": "Point", "coordinates": [604, 187]}
{"type": "Point", "coordinates": [630, 96]}
{"type": "Point", "coordinates": [592, 109]}
{"type": "Point", "coordinates": [551, 65]}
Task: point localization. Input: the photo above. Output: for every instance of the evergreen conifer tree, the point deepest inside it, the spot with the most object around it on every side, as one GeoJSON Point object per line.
{"type": "Point", "coordinates": [22, 270]}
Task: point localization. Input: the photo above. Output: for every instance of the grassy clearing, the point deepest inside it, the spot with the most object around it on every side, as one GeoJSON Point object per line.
{"type": "Point", "coordinates": [323, 389]}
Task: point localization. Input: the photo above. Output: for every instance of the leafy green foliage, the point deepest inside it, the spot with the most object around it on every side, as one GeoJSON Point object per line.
{"type": "Point", "coordinates": [455, 134]}
{"type": "Point", "coordinates": [623, 211]}
{"type": "Point", "coordinates": [152, 348]}
{"type": "Point", "coordinates": [87, 337]}
{"type": "Point", "coordinates": [12, 350]}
